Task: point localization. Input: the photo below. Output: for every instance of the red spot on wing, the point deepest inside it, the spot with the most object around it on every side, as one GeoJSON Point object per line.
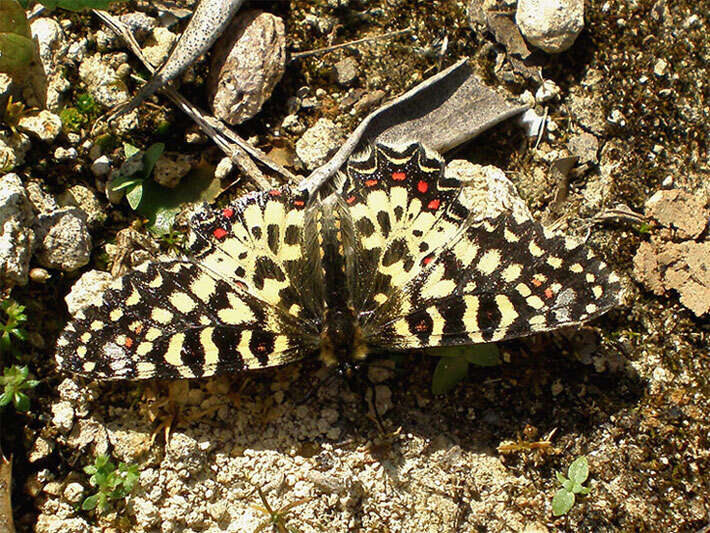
{"type": "Point", "coordinates": [228, 212]}
{"type": "Point", "coordinates": [421, 326]}
{"type": "Point", "coordinates": [298, 203]}
{"type": "Point", "coordinates": [422, 186]}
{"type": "Point", "coordinates": [536, 282]}
{"type": "Point", "coordinates": [548, 293]}
{"type": "Point", "coordinates": [128, 342]}
{"type": "Point", "coordinates": [370, 183]}
{"type": "Point", "coordinates": [427, 259]}
{"type": "Point", "coordinates": [434, 204]}
{"type": "Point", "coordinates": [350, 200]}
{"type": "Point", "coordinates": [275, 192]}
{"type": "Point", "coordinates": [219, 233]}
{"type": "Point", "coordinates": [241, 285]}
{"type": "Point", "coordinates": [399, 176]}
{"type": "Point", "coordinates": [138, 329]}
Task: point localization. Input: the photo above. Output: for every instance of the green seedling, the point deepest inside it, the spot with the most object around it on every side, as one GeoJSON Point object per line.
{"type": "Point", "coordinates": [113, 484]}
{"type": "Point", "coordinates": [133, 183]}
{"type": "Point", "coordinates": [565, 497]}
{"type": "Point", "coordinates": [14, 381]}
{"type": "Point", "coordinates": [13, 327]}
{"type": "Point", "coordinates": [277, 518]}
{"type": "Point", "coordinates": [454, 362]}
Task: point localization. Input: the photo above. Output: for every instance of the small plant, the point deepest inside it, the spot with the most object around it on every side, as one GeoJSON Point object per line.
{"type": "Point", "coordinates": [276, 518]}
{"type": "Point", "coordinates": [113, 484]}
{"type": "Point", "coordinates": [14, 112]}
{"type": "Point", "coordinates": [564, 498]}
{"type": "Point", "coordinates": [86, 104]}
{"type": "Point", "coordinates": [173, 242]}
{"type": "Point", "coordinates": [453, 365]}
{"type": "Point", "coordinates": [14, 381]}
{"type": "Point", "coordinates": [133, 183]}
{"type": "Point", "coordinates": [15, 318]}
{"type": "Point", "coordinates": [72, 119]}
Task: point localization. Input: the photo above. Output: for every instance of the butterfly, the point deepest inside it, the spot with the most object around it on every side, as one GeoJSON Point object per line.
{"type": "Point", "coordinates": [401, 255]}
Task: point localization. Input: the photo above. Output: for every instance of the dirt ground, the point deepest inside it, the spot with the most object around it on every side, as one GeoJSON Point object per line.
{"type": "Point", "coordinates": [630, 391]}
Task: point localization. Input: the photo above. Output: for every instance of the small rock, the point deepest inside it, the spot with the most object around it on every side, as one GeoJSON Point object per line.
{"type": "Point", "coordinates": [380, 371]}
{"type": "Point", "coordinates": [248, 62]}
{"type": "Point", "coordinates": [547, 91]}
{"type": "Point", "coordinates": [40, 449]}
{"type": "Point", "coordinates": [129, 445]}
{"type": "Point", "coordinates": [42, 202]}
{"type": "Point", "coordinates": [44, 125]}
{"type": "Point", "coordinates": [64, 240]}
{"type": "Point", "coordinates": [139, 23]}
{"type": "Point", "coordinates": [224, 168]}
{"type": "Point", "coordinates": [89, 435]}
{"type": "Point", "coordinates": [346, 71]}
{"type": "Point", "coordinates": [102, 81]}
{"type": "Point", "coordinates": [660, 69]}
{"type": "Point", "coordinates": [74, 492]}
{"type": "Point", "coordinates": [170, 168]}
{"type": "Point", "coordinates": [532, 123]}
{"type": "Point", "coordinates": [84, 199]}
{"type": "Point", "coordinates": [53, 50]}
{"type": "Point", "coordinates": [157, 47]}
{"type": "Point", "coordinates": [550, 25]}
{"type": "Point", "coordinates": [7, 88]}
{"type": "Point", "coordinates": [63, 416]}
{"type": "Point", "coordinates": [292, 124]}
{"type": "Point", "coordinates": [585, 146]}
{"type": "Point", "coordinates": [16, 236]}
{"type": "Point", "coordinates": [318, 142]}
{"type": "Point", "coordinates": [39, 275]}
{"type": "Point", "coordinates": [368, 101]}
{"type": "Point", "coordinates": [680, 210]}
{"type": "Point", "coordinates": [684, 267]}
{"type": "Point", "coordinates": [87, 289]}
{"type": "Point", "coordinates": [588, 111]}
{"type": "Point", "coordinates": [77, 50]}
{"type": "Point", "coordinates": [146, 512]}
{"type": "Point", "coordinates": [65, 154]}
{"type": "Point", "coordinates": [12, 150]}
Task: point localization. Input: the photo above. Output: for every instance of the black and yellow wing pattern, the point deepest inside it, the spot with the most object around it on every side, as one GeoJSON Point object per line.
{"type": "Point", "coordinates": [419, 265]}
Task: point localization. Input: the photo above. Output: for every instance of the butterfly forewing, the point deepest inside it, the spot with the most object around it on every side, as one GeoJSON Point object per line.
{"type": "Point", "coordinates": [249, 298]}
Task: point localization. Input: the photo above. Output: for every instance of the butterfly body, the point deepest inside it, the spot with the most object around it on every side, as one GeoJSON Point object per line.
{"type": "Point", "coordinates": [401, 256]}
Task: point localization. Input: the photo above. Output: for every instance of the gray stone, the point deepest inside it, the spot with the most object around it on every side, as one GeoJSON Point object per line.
{"type": "Point", "coordinates": [102, 81]}
{"type": "Point", "coordinates": [157, 47]}
{"type": "Point", "coordinates": [64, 240]}
{"type": "Point", "coordinates": [139, 23]}
{"type": "Point", "coordinates": [224, 168]}
{"type": "Point", "coordinates": [550, 25]}
{"type": "Point", "coordinates": [84, 199]}
{"type": "Point", "coordinates": [170, 168]}
{"type": "Point", "coordinates": [346, 71]}
{"type": "Point", "coordinates": [16, 237]}
{"type": "Point", "coordinates": [12, 150]}
{"type": "Point", "coordinates": [65, 154]}
{"type": "Point", "coordinates": [101, 166]}
{"type": "Point", "coordinates": [53, 49]}
{"type": "Point", "coordinates": [42, 202]}
{"type": "Point", "coordinates": [318, 143]}
{"type": "Point", "coordinates": [73, 492]}
{"type": "Point", "coordinates": [585, 146]}
{"type": "Point", "coordinates": [247, 64]}
{"type": "Point", "coordinates": [63, 416]}
{"type": "Point", "coordinates": [87, 289]}
{"type": "Point", "coordinates": [40, 449]}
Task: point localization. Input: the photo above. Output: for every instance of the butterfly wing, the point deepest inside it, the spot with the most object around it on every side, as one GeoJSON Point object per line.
{"type": "Point", "coordinates": [442, 274]}
{"type": "Point", "coordinates": [235, 306]}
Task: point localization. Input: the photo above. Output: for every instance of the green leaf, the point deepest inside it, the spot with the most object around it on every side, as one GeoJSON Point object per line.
{"type": "Point", "coordinates": [125, 182]}
{"type": "Point", "coordinates": [21, 401]}
{"type": "Point", "coordinates": [562, 502]}
{"type": "Point", "coordinates": [579, 470]}
{"type": "Point", "coordinates": [567, 485]}
{"type": "Point", "coordinates": [135, 195]}
{"type": "Point", "coordinates": [160, 205]}
{"type": "Point", "coordinates": [129, 150]}
{"type": "Point", "coordinates": [17, 53]}
{"type": "Point", "coordinates": [13, 19]}
{"type": "Point", "coordinates": [77, 5]}
{"type": "Point", "coordinates": [484, 355]}
{"type": "Point", "coordinates": [584, 490]}
{"type": "Point", "coordinates": [561, 477]}
{"type": "Point", "coordinates": [90, 469]}
{"type": "Point", "coordinates": [90, 502]}
{"type": "Point", "coordinates": [449, 371]}
{"type": "Point", "coordinates": [5, 398]}
{"type": "Point", "coordinates": [150, 157]}
{"type": "Point", "coordinates": [448, 351]}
